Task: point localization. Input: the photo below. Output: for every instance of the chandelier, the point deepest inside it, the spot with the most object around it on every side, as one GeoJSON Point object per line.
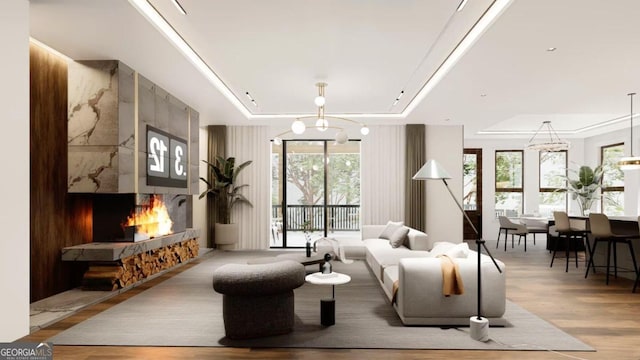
{"type": "Point", "coordinates": [630, 162]}
{"type": "Point", "coordinates": [550, 142]}
{"type": "Point", "coordinates": [298, 126]}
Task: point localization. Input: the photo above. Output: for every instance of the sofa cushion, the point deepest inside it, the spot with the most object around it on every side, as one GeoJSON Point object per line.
{"type": "Point", "coordinates": [380, 254]}
{"type": "Point", "coordinates": [390, 229]}
{"type": "Point", "coordinates": [353, 248]}
{"type": "Point", "coordinates": [418, 240]}
{"type": "Point", "coordinates": [398, 237]}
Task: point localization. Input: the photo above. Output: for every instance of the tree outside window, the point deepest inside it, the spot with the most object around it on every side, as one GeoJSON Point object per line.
{"type": "Point", "coordinates": [509, 180]}
{"type": "Point", "coordinates": [470, 199]}
{"type": "Point", "coordinates": [553, 197]}
{"type": "Point", "coordinates": [612, 180]}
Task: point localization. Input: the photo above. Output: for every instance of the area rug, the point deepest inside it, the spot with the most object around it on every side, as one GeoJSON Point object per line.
{"type": "Point", "coordinates": [185, 311]}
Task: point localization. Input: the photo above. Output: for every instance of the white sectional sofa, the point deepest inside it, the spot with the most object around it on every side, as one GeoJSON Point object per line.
{"type": "Point", "coordinates": [418, 271]}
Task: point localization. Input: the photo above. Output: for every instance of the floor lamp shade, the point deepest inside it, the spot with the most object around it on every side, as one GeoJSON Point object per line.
{"type": "Point", "coordinates": [431, 170]}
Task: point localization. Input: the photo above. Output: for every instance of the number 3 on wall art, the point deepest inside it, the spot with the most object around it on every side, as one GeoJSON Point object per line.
{"type": "Point", "coordinates": [166, 160]}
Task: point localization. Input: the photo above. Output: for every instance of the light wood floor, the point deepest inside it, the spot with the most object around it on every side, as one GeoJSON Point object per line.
{"type": "Point", "coordinates": [605, 317]}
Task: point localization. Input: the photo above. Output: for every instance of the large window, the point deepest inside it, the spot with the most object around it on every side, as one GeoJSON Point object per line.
{"type": "Point", "coordinates": [315, 191]}
{"type": "Point", "coordinates": [553, 166]}
{"type": "Point", "coordinates": [612, 180]}
{"type": "Point", "coordinates": [509, 193]}
{"type": "Point", "coordinates": [470, 173]}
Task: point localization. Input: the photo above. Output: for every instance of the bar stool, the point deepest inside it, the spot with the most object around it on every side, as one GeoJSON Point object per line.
{"type": "Point", "coordinates": [601, 230]}
{"type": "Point", "coordinates": [564, 230]}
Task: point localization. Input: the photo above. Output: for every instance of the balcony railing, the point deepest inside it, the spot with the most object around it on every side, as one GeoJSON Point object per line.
{"type": "Point", "coordinates": [341, 217]}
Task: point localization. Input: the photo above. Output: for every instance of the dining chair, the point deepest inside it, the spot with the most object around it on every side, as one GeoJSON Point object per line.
{"type": "Point", "coordinates": [569, 234]}
{"type": "Point", "coordinates": [601, 231]}
{"type": "Point", "coordinates": [516, 229]}
{"type": "Point", "coordinates": [535, 226]}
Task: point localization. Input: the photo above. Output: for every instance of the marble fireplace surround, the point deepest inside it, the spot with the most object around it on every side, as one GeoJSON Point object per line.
{"type": "Point", "coordinates": [110, 106]}
{"type": "Point", "coordinates": [105, 251]}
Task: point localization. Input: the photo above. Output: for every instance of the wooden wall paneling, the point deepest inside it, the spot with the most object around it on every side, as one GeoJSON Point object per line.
{"type": "Point", "coordinates": [51, 209]}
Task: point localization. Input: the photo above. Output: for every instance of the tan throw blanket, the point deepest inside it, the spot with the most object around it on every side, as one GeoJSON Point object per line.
{"type": "Point", "coordinates": [451, 279]}
{"type": "Point", "coordinates": [394, 298]}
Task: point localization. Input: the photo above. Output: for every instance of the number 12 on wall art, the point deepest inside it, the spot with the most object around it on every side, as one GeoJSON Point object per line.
{"type": "Point", "coordinates": [167, 159]}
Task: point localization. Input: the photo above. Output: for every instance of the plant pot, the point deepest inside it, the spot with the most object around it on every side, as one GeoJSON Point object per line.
{"type": "Point", "coordinates": [226, 235]}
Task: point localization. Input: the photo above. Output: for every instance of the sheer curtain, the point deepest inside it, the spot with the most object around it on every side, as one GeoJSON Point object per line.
{"type": "Point", "coordinates": [382, 175]}
{"type": "Point", "coordinates": [252, 143]}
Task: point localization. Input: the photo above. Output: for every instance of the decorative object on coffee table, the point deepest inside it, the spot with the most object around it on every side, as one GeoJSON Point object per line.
{"type": "Point", "coordinates": [326, 267]}
{"type": "Point", "coordinates": [479, 326]}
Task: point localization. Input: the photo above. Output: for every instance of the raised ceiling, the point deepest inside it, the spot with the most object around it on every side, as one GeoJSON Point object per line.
{"type": "Point", "coordinates": [369, 51]}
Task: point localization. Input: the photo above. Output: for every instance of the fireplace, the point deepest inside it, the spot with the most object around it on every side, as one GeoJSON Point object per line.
{"type": "Point", "coordinates": [137, 217]}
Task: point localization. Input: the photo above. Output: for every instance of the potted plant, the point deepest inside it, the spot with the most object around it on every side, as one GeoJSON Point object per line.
{"type": "Point", "coordinates": [223, 174]}
{"type": "Point", "coordinates": [584, 188]}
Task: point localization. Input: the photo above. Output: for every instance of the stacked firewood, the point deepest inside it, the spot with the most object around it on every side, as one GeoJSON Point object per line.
{"type": "Point", "coordinates": [127, 271]}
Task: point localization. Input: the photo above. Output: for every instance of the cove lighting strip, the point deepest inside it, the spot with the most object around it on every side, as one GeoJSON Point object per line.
{"type": "Point", "coordinates": [152, 15]}
{"type": "Point", "coordinates": [50, 49]}
{"type": "Point", "coordinates": [487, 19]}
{"type": "Point", "coordinates": [496, 9]}
{"type": "Point", "coordinates": [560, 132]}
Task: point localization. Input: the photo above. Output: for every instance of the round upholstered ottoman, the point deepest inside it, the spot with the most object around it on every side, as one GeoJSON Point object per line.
{"type": "Point", "coordinates": [258, 299]}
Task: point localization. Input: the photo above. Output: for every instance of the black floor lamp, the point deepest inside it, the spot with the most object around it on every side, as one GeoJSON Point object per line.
{"type": "Point", "coordinates": [431, 170]}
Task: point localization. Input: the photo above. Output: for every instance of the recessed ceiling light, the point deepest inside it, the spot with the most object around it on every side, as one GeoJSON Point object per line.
{"type": "Point", "coordinates": [251, 99]}
{"type": "Point", "coordinates": [395, 102]}
{"type": "Point", "coordinates": [550, 49]}
{"type": "Point", "coordinates": [483, 95]}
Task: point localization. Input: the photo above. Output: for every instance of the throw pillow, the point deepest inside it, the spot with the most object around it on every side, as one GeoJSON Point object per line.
{"type": "Point", "coordinates": [459, 251]}
{"type": "Point", "coordinates": [441, 247]}
{"type": "Point", "coordinates": [398, 237]}
{"type": "Point", "coordinates": [390, 229]}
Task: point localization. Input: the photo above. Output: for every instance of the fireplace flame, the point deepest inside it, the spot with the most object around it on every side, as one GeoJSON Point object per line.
{"type": "Point", "coordinates": [152, 220]}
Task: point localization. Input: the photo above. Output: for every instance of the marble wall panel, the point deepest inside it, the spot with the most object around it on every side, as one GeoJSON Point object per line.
{"type": "Point", "coordinates": [126, 168]}
{"type": "Point", "coordinates": [162, 105]}
{"type": "Point", "coordinates": [92, 103]}
{"type": "Point", "coordinates": [93, 169]}
{"type": "Point", "coordinates": [179, 116]}
{"type": "Point", "coordinates": [126, 105]}
{"type": "Point", "coordinates": [146, 111]}
{"type": "Point", "coordinates": [102, 113]}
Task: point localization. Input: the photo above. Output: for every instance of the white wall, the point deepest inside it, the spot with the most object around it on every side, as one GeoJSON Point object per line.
{"type": "Point", "coordinates": [632, 178]}
{"type": "Point", "coordinates": [14, 112]}
{"type": "Point", "coordinates": [490, 224]}
{"type": "Point", "coordinates": [444, 219]}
